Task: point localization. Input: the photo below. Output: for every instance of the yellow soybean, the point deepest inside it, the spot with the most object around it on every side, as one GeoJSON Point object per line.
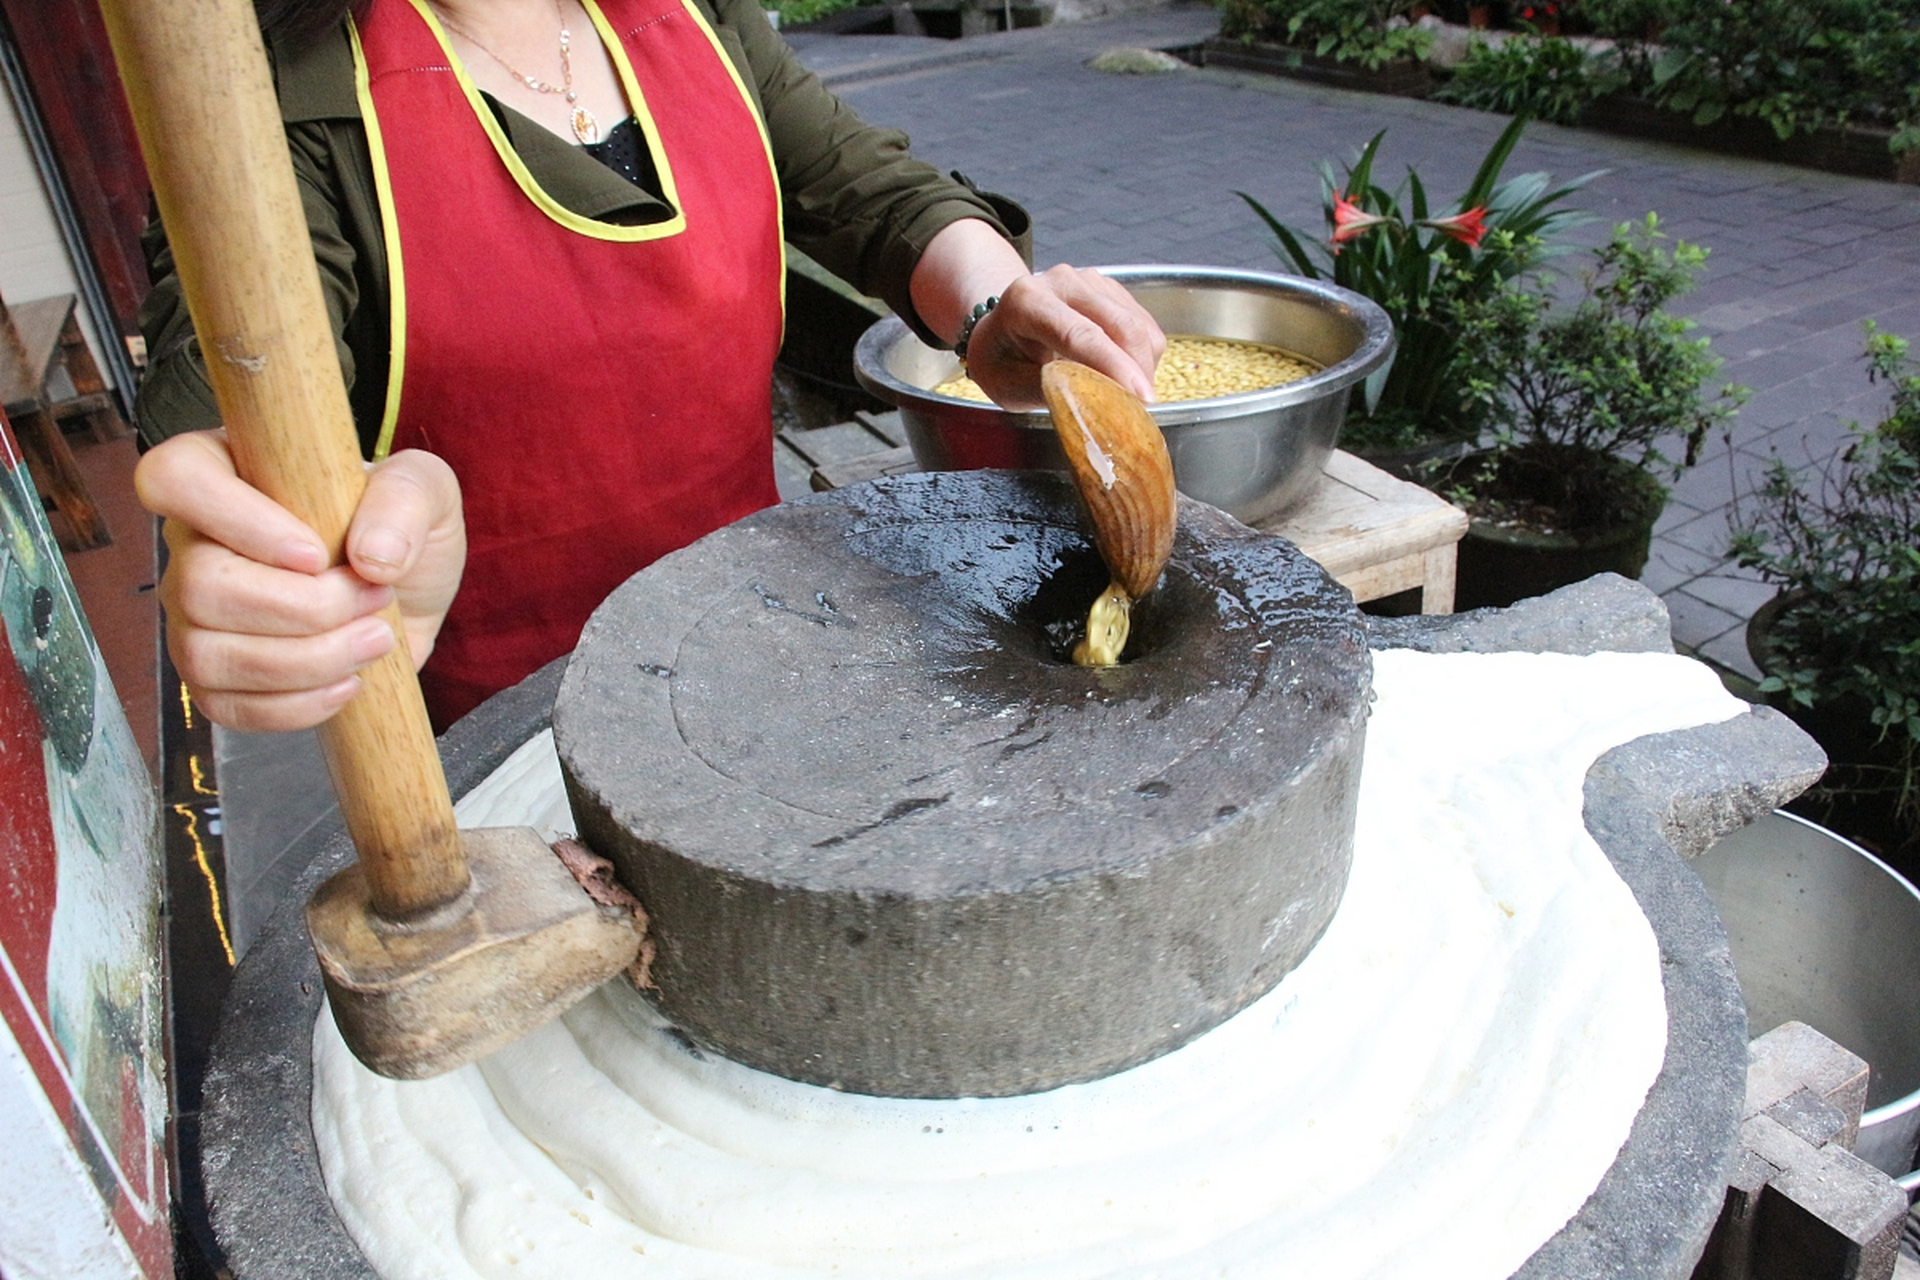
{"type": "Point", "coordinates": [1196, 369]}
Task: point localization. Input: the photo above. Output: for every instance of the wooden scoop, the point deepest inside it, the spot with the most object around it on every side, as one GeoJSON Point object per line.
{"type": "Point", "coordinates": [439, 946]}
{"type": "Point", "coordinates": [1119, 462]}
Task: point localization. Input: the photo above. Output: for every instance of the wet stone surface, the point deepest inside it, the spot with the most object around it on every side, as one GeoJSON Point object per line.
{"type": "Point", "coordinates": [893, 841]}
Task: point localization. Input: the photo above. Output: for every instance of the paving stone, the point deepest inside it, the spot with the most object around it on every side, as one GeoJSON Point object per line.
{"type": "Point", "coordinates": [1709, 486]}
{"type": "Point", "coordinates": [1697, 623]}
{"type": "Point", "coordinates": [1736, 590]}
{"type": "Point", "coordinates": [1671, 564]}
{"type": "Point", "coordinates": [1706, 533]}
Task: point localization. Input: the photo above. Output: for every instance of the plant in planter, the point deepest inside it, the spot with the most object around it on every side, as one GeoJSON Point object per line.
{"type": "Point", "coordinates": [1840, 644]}
{"type": "Point", "coordinates": [1796, 65]}
{"type": "Point", "coordinates": [1371, 33]}
{"type": "Point", "coordinates": [1423, 267]}
{"type": "Point", "coordinates": [1552, 78]}
{"type": "Point", "coordinates": [1580, 400]}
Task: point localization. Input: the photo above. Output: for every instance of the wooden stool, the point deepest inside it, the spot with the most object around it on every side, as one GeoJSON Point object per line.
{"type": "Point", "coordinates": [39, 340]}
{"type": "Point", "coordinates": [1375, 534]}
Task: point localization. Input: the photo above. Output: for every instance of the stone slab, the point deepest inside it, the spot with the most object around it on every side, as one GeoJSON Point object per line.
{"type": "Point", "coordinates": [840, 753]}
{"type": "Point", "coordinates": [1647, 802]}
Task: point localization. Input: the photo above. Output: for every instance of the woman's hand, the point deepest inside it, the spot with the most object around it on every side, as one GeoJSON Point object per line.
{"type": "Point", "coordinates": [266, 635]}
{"type": "Point", "coordinates": [1063, 311]}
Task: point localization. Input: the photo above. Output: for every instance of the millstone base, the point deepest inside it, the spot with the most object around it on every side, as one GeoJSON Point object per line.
{"type": "Point", "coordinates": [890, 840]}
{"type": "Point", "coordinates": [1649, 1216]}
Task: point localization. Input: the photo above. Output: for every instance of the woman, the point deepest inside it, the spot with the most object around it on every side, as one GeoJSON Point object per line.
{"type": "Point", "coordinates": [551, 239]}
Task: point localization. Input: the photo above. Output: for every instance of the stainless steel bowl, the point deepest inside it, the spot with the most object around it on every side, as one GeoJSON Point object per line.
{"type": "Point", "coordinates": [1253, 454]}
{"type": "Point", "coordinates": [1824, 933]}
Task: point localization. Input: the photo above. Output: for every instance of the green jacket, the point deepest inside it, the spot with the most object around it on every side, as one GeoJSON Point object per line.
{"type": "Point", "coordinates": [853, 199]}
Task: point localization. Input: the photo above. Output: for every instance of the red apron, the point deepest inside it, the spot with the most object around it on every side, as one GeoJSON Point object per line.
{"type": "Point", "coordinates": [601, 391]}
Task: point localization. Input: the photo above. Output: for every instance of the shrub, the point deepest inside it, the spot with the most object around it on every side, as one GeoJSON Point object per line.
{"type": "Point", "coordinates": [1551, 78]}
{"type": "Point", "coordinates": [1369, 32]}
{"type": "Point", "coordinates": [1569, 391]}
{"type": "Point", "coordinates": [1844, 545]}
{"type": "Point", "coordinates": [1796, 64]}
{"type": "Point", "coordinates": [795, 12]}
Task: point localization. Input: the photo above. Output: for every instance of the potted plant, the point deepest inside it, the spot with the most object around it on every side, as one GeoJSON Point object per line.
{"type": "Point", "coordinates": [1424, 263]}
{"type": "Point", "coordinates": [1839, 646]}
{"type": "Point", "coordinates": [1580, 400]}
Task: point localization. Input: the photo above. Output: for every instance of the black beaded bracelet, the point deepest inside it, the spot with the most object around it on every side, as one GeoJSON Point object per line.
{"type": "Point", "coordinates": [978, 314]}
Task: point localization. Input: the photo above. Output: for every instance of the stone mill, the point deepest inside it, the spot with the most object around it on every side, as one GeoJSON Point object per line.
{"type": "Point", "coordinates": [898, 853]}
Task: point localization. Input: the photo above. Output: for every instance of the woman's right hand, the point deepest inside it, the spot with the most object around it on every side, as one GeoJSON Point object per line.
{"type": "Point", "coordinates": [265, 634]}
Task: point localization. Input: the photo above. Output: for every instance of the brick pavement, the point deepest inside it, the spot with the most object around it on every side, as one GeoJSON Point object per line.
{"type": "Point", "coordinates": [1143, 169]}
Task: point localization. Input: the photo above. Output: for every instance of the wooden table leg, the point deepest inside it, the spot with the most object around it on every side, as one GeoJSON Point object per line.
{"type": "Point", "coordinates": [1436, 591]}
{"type": "Point", "coordinates": [53, 467]}
{"type": "Point", "coordinates": [89, 385]}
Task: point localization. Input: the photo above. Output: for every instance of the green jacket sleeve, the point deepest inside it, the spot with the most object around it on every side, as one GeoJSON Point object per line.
{"type": "Point", "coordinates": [174, 396]}
{"type": "Point", "coordinates": [855, 201]}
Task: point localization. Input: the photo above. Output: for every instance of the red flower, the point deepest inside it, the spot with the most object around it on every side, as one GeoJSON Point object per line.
{"type": "Point", "coordinates": [1468, 228]}
{"type": "Point", "coordinates": [1349, 219]}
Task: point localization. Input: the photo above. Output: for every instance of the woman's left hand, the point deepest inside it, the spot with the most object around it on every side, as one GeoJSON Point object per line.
{"type": "Point", "coordinates": [1063, 311]}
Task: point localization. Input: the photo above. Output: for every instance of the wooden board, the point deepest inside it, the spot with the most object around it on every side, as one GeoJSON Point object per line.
{"type": "Point", "coordinates": [24, 365]}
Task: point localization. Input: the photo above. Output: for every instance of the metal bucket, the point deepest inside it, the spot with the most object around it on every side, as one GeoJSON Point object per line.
{"type": "Point", "coordinates": [1824, 933]}
{"type": "Point", "coordinates": [1252, 455]}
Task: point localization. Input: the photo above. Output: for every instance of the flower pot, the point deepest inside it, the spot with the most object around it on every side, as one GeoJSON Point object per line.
{"type": "Point", "coordinates": [1479, 16]}
{"type": "Point", "coordinates": [1859, 796]}
{"type": "Point", "coordinates": [1403, 77]}
{"type": "Point", "coordinates": [1501, 563]}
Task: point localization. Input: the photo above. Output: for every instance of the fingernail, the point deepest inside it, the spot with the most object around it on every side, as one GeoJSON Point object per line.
{"type": "Point", "coordinates": [382, 546]}
{"type": "Point", "coordinates": [303, 557]}
{"type": "Point", "coordinates": [371, 638]}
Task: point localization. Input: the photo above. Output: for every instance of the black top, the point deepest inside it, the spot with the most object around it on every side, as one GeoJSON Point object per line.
{"type": "Point", "coordinates": [624, 150]}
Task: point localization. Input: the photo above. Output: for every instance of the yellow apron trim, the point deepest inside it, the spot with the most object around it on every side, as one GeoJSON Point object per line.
{"type": "Point", "coordinates": [766, 141]}
{"type": "Point", "coordinates": [390, 233]}
{"type": "Point", "coordinates": [522, 176]}
{"type": "Point", "coordinates": [383, 186]}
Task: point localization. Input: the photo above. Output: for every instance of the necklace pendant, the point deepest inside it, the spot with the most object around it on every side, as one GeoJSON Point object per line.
{"type": "Point", "coordinates": [585, 127]}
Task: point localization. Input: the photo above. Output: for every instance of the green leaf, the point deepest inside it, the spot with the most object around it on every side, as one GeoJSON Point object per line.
{"type": "Point", "coordinates": [1289, 242]}
{"type": "Point", "coordinates": [1490, 167]}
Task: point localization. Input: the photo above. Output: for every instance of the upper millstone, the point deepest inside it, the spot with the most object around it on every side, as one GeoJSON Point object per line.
{"type": "Point", "coordinates": [892, 841]}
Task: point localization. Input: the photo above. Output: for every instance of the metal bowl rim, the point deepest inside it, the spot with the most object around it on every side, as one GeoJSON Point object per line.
{"type": "Point", "coordinates": [1376, 345]}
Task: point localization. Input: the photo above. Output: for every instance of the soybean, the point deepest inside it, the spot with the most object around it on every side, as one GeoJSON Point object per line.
{"type": "Point", "coordinates": [1196, 369]}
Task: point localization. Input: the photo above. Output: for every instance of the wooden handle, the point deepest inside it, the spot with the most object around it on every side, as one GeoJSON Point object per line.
{"type": "Point", "coordinates": [203, 102]}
